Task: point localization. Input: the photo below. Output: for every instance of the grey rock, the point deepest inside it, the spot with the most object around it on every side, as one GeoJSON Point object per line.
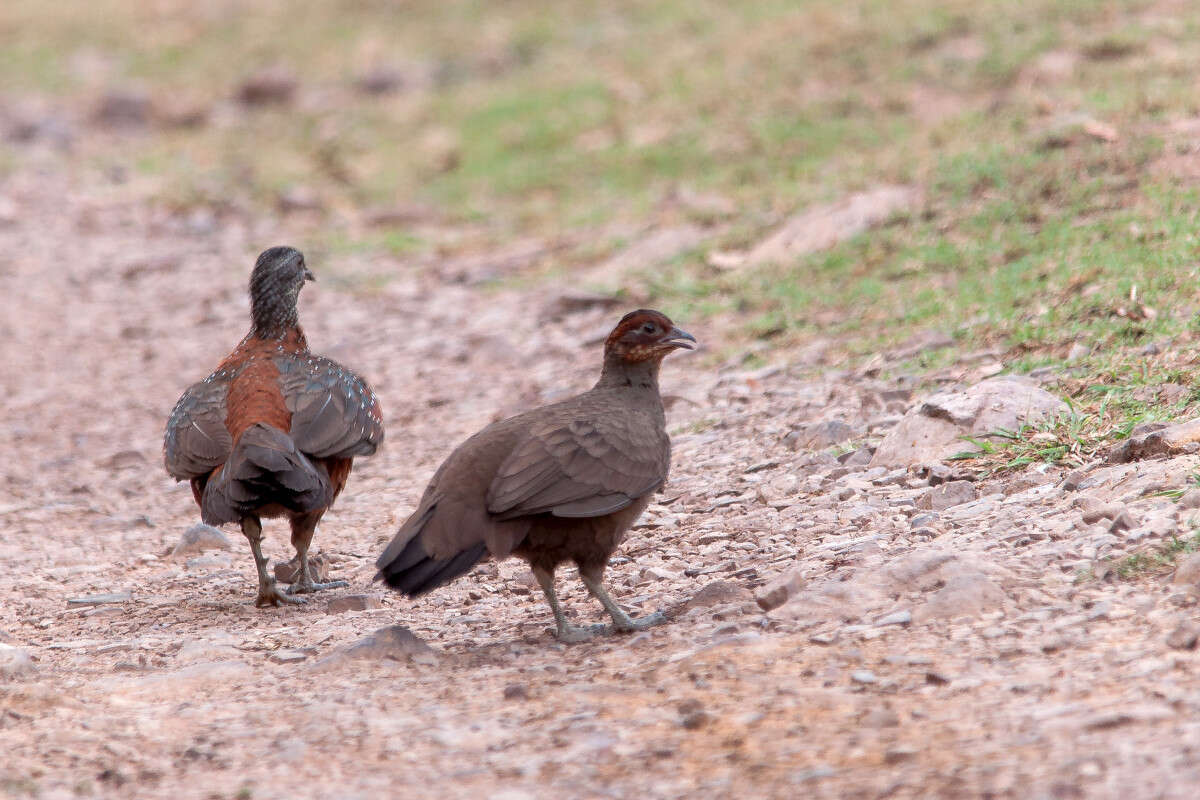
{"type": "Point", "coordinates": [288, 656]}
{"type": "Point", "coordinates": [863, 676]}
{"type": "Point", "coordinates": [858, 458]}
{"type": "Point", "coordinates": [396, 643]}
{"type": "Point", "coordinates": [1190, 499]}
{"type": "Point", "coordinates": [1157, 439]}
{"type": "Point", "coordinates": [14, 662]}
{"type": "Point", "coordinates": [719, 593]}
{"type": "Point", "coordinates": [516, 691]}
{"type": "Point", "coordinates": [353, 602]}
{"type": "Point", "coordinates": [273, 85]}
{"type": "Point", "coordinates": [209, 562]}
{"type": "Point", "coordinates": [780, 590]}
{"type": "Point", "coordinates": [947, 495]}
{"type": "Point", "coordinates": [924, 520]}
{"type": "Point", "coordinates": [964, 594]}
{"type": "Point", "coordinates": [1094, 511]}
{"type": "Point", "coordinates": [1185, 636]}
{"type": "Point", "coordinates": [123, 108]}
{"type": "Point", "coordinates": [1123, 521]}
{"type": "Point", "coordinates": [932, 431]}
{"type": "Point", "coordinates": [100, 599]}
{"type": "Point", "coordinates": [896, 618]}
{"type": "Point", "coordinates": [198, 538]}
{"type": "Point", "coordinates": [1187, 571]}
{"type": "Point", "coordinates": [318, 568]}
{"type": "Point", "coordinates": [819, 435]}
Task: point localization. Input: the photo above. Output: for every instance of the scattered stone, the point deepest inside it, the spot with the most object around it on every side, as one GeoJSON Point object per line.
{"type": "Point", "coordinates": [273, 85]}
{"type": "Point", "coordinates": [896, 755]}
{"type": "Point", "coordinates": [123, 108]}
{"type": "Point", "coordinates": [896, 618]}
{"type": "Point", "coordinates": [1187, 571]}
{"type": "Point", "coordinates": [1190, 499]}
{"type": "Point", "coordinates": [1078, 351]}
{"type": "Point", "coordinates": [395, 642]}
{"type": "Point", "coordinates": [100, 599]}
{"type": "Point", "coordinates": [353, 602]}
{"type": "Point", "coordinates": [288, 656]}
{"type": "Point", "coordinates": [819, 435]}
{"type": "Point", "coordinates": [948, 495]}
{"type": "Point", "coordinates": [198, 538]}
{"type": "Point", "coordinates": [863, 676]}
{"type": "Point", "coordinates": [923, 520]}
{"type": "Point", "coordinates": [822, 227]}
{"type": "Point", "coordinates": [516, 691]}
{"type": "Point", "coordinates": [14, 661]}
{"type": "Point", "coordinates": [692, 714]}
{"type": "Point", "coordinates": [1073, 480]}
{"type": "Point", "coordinates": [318, 568]}
{"type": "Point", "coordinates": [209, 562]}
{"type": "Point", "coordinates": [934, 429]}
{"type": "Point", "coordinates": [719, 593]}
{"type": "Point", "coordinates": [1123, 521]}
{"type": "Point", "coordinates": [1185, 636]}
{"type": "Point", "coordinates": [780, 590]}
{"type": "Point", "coordinates": [382, 80]}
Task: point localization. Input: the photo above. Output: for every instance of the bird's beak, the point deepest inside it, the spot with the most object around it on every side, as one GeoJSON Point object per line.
{"type": "Point", "coordinates": [308, 276]}
{"type": "Point", "coordinates": [680, 338]}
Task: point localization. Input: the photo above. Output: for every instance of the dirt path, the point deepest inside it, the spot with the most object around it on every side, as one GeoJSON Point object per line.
{"type": "Point", "coordinates": [875, 679]}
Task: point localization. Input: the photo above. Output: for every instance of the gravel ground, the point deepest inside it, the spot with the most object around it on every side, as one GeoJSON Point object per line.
{"type": "Point", "coordinates": [838, 630]}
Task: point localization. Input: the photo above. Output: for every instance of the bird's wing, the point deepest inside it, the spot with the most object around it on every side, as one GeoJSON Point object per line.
{"type": "Point", "coordinates": [196, 440]}
{"type": "Point", "coordinates": [581, 467]}
{"type": "Point", "coordinates": [334, 412]}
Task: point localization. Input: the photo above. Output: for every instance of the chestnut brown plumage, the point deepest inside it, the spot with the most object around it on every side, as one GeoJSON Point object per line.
{"type": "Point", "coordinates": [273, 431]}
{"type": "Point", "coordinates": [555, 484]}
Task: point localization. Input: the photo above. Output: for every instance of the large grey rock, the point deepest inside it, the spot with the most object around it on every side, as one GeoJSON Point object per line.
{"type": "Point", "coordinates": [198, 538]}
{"type": "Point", "coordinates": [947, 495]}
{"type": "Point", "coordinates": [933, 430]}
{"type": "Point", "coordinates": [1157, 440]}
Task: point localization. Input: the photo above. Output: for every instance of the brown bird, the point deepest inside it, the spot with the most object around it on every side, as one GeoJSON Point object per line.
{"type": "Point", "coordinates": [558, 483]}
{"type": "Point", "coordinates": [273, 431]}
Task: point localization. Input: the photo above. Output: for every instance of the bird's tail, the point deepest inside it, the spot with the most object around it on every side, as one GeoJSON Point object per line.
{"type": "Point", "coordinates": [264, 469]}
{"type": "Point", "coordinates": [407, 565]}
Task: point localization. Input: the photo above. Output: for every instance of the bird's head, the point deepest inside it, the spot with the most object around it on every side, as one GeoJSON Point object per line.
{"type": "Point", "coordinates": [646, 335]}
{"type": "Point", "coordinates": [279, 275]}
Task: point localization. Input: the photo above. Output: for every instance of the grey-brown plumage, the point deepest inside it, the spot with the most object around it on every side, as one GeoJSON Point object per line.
{"type": "Point", "coordinates": [555, 484]}
{"type": "Point", "coordinates": [273, 431]}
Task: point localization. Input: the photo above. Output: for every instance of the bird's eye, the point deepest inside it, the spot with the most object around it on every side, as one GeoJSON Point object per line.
{"type": "Point", "coordinates": [649, 327]}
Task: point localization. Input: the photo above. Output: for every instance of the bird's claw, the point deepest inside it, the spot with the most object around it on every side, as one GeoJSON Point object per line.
{"type": "Point", "coordinates": [310, 586]}
{"type": "Point", "coordinates": [572, 634]}
{"type": "Point", "coordinates": [269, 595]}
{"type": "Point", "coordinates": [641, 623]}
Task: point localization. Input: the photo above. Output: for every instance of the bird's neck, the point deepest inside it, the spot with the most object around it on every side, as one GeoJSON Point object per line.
{"type": "Point", "coordinates": [291, 340]}
{"type": "Point", "coordinates": [618, 373]}
{"type": "Point", "coordinates": [273, 316]}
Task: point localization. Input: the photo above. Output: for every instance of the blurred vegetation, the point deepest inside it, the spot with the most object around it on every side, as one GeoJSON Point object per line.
{"type": "Point", "coordinates": [1055, 144]}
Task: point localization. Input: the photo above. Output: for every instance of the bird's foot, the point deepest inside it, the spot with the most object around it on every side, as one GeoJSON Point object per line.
{"type": "Point", "coordinates": [309, 586]}
{"type": "Point", "coordinates": [629, 624]}
{"type": "Point", "coordinates": [269, 595]}
{"type": "Point", "coordinates": [572, 634]}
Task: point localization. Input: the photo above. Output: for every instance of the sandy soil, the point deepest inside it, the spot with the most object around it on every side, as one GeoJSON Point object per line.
{"type": "Point", "coordinates": [110, 308]}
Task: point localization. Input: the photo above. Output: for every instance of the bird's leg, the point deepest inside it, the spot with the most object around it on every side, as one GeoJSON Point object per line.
{"type": "Point", "coordinates": [621, 620]}
{"type": "Point", "coordinates": [302, 532]}
{"type": "Point", "coordinates": [565, 632]}
{"type": "Point", "coordinates": [268, 592]}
